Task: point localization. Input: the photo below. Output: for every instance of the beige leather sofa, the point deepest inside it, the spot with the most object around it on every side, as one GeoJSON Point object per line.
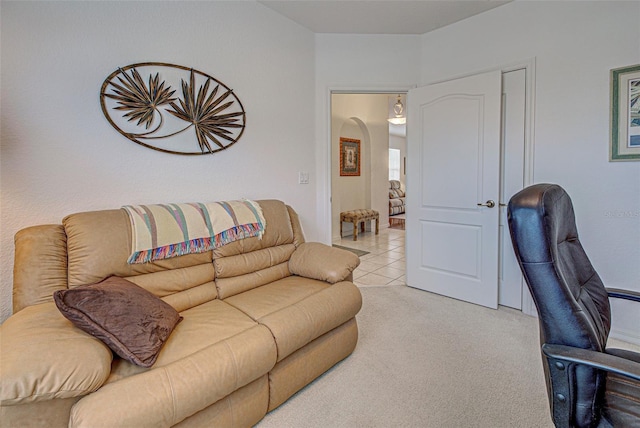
{"type": "Point", "coordinates": [262, 318]}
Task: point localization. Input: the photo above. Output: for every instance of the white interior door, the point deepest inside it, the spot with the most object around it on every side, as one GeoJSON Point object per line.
{"type": "Point", "coordinates": [453, 137]}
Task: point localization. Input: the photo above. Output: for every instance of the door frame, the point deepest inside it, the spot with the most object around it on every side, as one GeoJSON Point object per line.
{"type": "Point", "coordinates": [343, 89]}
{"type": "Point", "coordinates": [528, 64]}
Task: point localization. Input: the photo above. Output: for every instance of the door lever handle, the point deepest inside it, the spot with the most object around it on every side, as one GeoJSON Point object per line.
{"type": "Point", "coordinates": [488, 204]}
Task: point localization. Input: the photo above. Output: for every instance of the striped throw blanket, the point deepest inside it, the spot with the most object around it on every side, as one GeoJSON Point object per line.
{"type": "Point", "coordinates": [162, 231]}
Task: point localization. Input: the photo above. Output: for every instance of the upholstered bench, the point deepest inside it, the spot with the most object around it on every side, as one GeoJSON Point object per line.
{"type": "Point", "coordinates": [359, 216]}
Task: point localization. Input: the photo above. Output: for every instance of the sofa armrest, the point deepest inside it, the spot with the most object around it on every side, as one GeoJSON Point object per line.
{"type": "Point", "coordinates": [44, 357]}
{"type": "Point", "coordinates": [40, 265]}
{"type": "Point", "coordinates": [322, 262]}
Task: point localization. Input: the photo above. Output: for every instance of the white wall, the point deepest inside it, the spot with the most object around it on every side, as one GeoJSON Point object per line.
{"type": "Point", "coordinates": [369, 190]}
{"type": "Point", "coordinates": [575, 44]}
{"type": "Point", "coordinates": [355, 62]}
{"type": "Point", "coordinates": [59, 153]}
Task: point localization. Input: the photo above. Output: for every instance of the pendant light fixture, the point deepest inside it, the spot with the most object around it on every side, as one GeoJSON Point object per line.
{"type": "Point", "coordinates": [398, 117]}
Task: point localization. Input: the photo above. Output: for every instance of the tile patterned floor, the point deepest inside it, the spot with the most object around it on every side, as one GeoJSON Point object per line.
{"type": "Point", "coordinates": [385, 263]}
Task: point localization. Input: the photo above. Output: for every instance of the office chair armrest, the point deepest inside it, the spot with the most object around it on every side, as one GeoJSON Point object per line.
{"type": "Point", "coordinates": [598, 360]}
{"type": "Point", "coordinates": [560, 358]}
{"type": "Point", "coordinates": [624, 294]}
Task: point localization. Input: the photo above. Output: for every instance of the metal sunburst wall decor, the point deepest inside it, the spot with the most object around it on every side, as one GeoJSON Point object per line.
{"type": "Point", "coordinates": [156, 117]}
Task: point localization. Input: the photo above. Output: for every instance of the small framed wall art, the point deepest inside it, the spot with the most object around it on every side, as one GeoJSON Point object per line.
{"type": "Point", "coordinates": [349, 157]}
{"type": "Point", "coordinates": [625, 114]}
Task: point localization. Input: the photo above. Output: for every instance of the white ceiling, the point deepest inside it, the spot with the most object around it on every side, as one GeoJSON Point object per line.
{"type": "Point", "coordinates": [378, 16]}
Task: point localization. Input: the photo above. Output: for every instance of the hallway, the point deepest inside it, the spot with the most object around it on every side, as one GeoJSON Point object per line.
{"type": "Point", "coordinates": [385, 263]}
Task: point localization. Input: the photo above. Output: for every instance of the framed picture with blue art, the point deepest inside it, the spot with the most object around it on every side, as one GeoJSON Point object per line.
{"type": "Point", "coordinates": [625, 114]}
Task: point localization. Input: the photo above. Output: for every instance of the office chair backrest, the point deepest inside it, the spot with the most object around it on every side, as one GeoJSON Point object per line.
{"type": "Point", "coordinates": [571, 300]}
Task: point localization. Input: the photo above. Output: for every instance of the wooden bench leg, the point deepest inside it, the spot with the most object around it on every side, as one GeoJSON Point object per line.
{"type": "Point", "coordinates": [377, 225]}
{"type": "Point", "coordinates": [355, 230]}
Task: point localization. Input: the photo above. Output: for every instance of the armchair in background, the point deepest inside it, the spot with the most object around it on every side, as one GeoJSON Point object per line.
{"type": "Point", "coordinates": [588, 384]}
{"type": "Point", "coordinates": [396, 198]}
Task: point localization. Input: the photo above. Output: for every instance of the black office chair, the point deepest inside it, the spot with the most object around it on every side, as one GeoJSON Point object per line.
{"type": "Point", "coordinates": [588, 384]}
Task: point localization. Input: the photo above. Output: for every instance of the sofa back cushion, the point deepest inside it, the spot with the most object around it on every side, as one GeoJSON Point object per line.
{"type": "Point", "coordinates": [91, 246]}
{"type": "Point", "coordinates": [252, 262]}
{"type": "Point", "coordinates": [99, 244]}
{"type": "Point", "coordinates": [278, 231]}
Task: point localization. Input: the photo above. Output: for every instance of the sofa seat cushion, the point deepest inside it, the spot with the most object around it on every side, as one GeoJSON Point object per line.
{"type": "Point", "coordinates": [162, 396]}
{"type": "Point", "coordinates": [297, 310]}
{"type": "Point", "coordinates": [44, 357]}
{"type": "Point", "coordinates": [201, 326]}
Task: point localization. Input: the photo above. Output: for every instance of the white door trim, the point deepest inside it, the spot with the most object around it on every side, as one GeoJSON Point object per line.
{"type": "Point", "coordinates": [324, 188]}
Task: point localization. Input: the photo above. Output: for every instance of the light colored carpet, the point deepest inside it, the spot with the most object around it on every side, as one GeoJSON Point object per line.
{"type": "Point", "coordinates": [424, 360]}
